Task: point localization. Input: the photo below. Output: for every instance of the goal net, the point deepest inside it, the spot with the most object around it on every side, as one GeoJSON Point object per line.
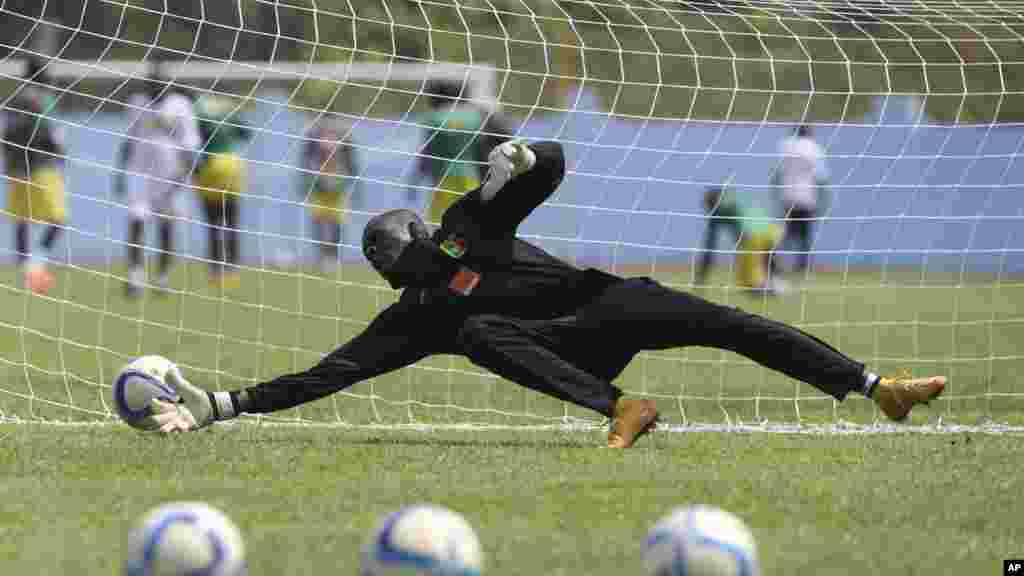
{"type": "Point", "coordinates": [915, 245]}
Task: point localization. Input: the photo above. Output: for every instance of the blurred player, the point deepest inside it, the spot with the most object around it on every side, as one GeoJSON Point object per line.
{"type": "Point", "coordinates": [801, 179]}
{"type": "Point", "coordinates": [474, 289]}
{"type": "Point", "coordinates": [219, 181]}
{"type": "Point", "coordinates": [158, 151]}
{"type": "Point", "coordinates": [756, 238]}
{"type": "Point", "coordinates": [34, 151]}
{"type": "Point", "coordinates": [329, 164]}
{"type": "Point", "coordinates": [452, 155]}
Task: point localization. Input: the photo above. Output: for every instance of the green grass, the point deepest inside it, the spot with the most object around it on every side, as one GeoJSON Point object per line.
{"type": "Point", "coordinates": [542, 502]}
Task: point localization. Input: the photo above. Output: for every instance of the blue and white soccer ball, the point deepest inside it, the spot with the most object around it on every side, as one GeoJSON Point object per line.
{"type": "Point", "coordinates": [700, 541]}
{"type": "Point", "coordinates": [185, 539]}
{"type": "Point", "coordinates": [423, 540]}
{"type": "Point", "coordinates": [137, 385]}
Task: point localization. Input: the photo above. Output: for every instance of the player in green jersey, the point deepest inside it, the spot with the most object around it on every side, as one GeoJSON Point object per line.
{"type": "Point", "coordinates": [454, 154]}
{"type": "Point", "coordinates": [756, 238]}
{"type": "Point", "coordinates": [220, 180]}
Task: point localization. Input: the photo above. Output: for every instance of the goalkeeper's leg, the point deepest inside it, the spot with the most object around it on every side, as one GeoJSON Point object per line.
{"type": "Point", "coordinates": [654, 317]}
{"type": "Point", "coordinates": [547, 356]}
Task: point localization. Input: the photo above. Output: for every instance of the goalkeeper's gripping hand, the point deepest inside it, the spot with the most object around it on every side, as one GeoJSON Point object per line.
{"type": "Point", "coordinates": [194, 411]}
{"type": "Point", "coordinates": [506, 161]}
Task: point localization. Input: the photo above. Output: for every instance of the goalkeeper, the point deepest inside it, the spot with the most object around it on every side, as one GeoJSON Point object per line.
{"type": "Point", "coordinates": [473, 288]}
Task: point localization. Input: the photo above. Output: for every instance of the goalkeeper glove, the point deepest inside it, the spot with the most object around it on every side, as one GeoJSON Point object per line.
{"type": "Point", "coordinates": [507, 160]}
{"type": "Point", "coordinates": [197, 408]}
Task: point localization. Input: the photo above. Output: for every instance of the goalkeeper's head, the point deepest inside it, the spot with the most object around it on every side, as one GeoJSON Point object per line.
{"type": "Point", "coordinates": [387, 236]}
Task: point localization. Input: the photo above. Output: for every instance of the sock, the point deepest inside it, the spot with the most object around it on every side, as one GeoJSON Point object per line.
{"type": "Point", "coordinates": [870, 380]}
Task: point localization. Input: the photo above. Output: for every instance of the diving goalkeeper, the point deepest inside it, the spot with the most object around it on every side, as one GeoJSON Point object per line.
{"type": "Point", "coordinates": [473, 288]}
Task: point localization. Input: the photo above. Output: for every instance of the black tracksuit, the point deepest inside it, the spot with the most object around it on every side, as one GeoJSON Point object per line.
{"type": "Point", "coordinates": [546, 325]}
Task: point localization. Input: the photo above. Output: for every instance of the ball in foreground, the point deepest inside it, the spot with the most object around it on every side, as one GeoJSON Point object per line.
{"type": "Point", "coordinates": [424, 540]}
{"type": "Point", "coordinates": [700, 541]}
{"type": "Point", "coordinates": [185, 539]}
{"type": "Point", "coordinates": [137, 385]}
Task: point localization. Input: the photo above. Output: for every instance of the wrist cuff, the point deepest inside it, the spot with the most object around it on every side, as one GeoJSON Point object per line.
{"type": "Point", "coordinates": [223, 407]}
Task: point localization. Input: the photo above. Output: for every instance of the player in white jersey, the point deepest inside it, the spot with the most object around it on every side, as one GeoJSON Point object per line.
{"type": "Point", "coordinates": [801, 178]}
{"type": "Point", "coordinates": [158, 152]}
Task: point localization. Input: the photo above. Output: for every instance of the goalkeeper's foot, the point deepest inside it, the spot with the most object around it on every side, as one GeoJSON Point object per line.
{"type": "Point", "coordinates": [631, 420]}
{"type": "Point", "coordinates": [897, 396]}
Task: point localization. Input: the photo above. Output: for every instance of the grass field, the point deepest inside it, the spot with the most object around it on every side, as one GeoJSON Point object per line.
{"type": "Point", "coordinates": [543, 502]}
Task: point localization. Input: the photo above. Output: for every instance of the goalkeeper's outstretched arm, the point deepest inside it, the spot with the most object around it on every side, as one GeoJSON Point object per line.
{"type": "Point", "coordinates": [398, 337]}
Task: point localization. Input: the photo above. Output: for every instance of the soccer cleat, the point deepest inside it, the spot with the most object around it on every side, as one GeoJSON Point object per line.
{"type": "Point", "coordinates": [134, 285]}
{"type": "Point", "coordinates": [631, 420]}
{"type": "Point", "coordinates": [896, 396]}
{"type": "Point", "coordinates": [226, 281]}
{"type": "Point", "coordinates": [38, 279]}
{"type": "Point", "coordinates": [132, 291]}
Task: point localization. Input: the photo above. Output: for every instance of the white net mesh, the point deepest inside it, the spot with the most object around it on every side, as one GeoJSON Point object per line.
{"type": "Point", "coordinates": [916, 256]}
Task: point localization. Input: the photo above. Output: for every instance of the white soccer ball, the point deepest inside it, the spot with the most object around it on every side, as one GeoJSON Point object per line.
{"type": "Point", "coordinates": [185, 539]}
{"type": "Point", "coordinates": [137, 385]}
{"type": "Point", "coordinates": [423, 540]}
{"type": "Point", "coordinates": [700, 541]}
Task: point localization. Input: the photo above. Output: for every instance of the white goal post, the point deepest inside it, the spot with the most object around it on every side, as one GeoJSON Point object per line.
{"type": "Point", "coordinates": [480, 80]}
{"type": "Point", "coordinates": [917, 255]}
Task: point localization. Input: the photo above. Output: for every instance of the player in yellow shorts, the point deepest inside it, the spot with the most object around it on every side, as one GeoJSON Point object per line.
{"type": "Point", "coordinates": [756, 240]}
{"type": "Point", "coordinates": [220, 180]}
{"type": "Point", "coordinates": [328, 164]}
{"type": "Point", "coordinates": [449, 190]}
{"type": "Point", "coordinates": [453, 153]}
{"type": "Point", "coordinates": [35, 184]}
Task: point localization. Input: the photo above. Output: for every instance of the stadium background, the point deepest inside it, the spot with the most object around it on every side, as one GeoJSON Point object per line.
{"type": "Point", "coordinates": [905, 190]}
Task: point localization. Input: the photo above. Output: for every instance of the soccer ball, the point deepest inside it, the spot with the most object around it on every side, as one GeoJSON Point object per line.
{"type": "Point", "coordinates": [185, 539]}
{"type": "Point", "coordinates": [423, 540]}
{"type": "Point", "coordinates": [700, 541]}
{"type": "Point", "coordinates": [138, 384]}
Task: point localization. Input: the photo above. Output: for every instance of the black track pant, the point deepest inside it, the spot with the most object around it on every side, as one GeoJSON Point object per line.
{"type": "Point", "coordinates": [798, 229]}
{"type": "Point", "coordinates": [576, 358]}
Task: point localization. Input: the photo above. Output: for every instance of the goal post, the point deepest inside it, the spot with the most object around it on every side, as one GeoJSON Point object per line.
{"type": "Point", "coordinates": [480, 80]}
{"type": "Point", "coordinates": [917, 254]}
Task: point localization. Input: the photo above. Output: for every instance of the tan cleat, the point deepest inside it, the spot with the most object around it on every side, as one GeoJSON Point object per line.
{"type": "Point", "coordinates": [631, 420]}
{"type": "Point", "coordinates": [896, 396]}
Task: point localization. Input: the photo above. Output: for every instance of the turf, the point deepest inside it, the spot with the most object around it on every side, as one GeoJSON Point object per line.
{"type": "Point", "coordinates": [543, 502]}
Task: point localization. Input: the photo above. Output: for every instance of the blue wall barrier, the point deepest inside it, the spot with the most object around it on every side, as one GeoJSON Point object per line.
{"type": "Point", "coordinates": [943, 197]}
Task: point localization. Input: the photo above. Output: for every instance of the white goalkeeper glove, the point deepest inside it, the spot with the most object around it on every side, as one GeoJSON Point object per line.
{"type": "Point", "coordinates": [507, 160]}
{"type": "Point", "coordinates": [193, 412]}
